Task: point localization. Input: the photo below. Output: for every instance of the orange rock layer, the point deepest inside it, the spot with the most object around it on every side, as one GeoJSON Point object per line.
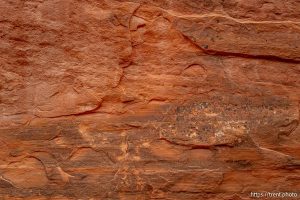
{"type": "Point", "coordinates": [156, 99]}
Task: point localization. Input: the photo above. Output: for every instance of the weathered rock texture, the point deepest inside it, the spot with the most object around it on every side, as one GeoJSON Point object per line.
{"type": "Point", "coordinates": [149, 99]}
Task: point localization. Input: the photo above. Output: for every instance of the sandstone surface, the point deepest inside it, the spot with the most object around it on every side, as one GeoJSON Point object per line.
{"type": "Point", "coordinates": [149, 99]}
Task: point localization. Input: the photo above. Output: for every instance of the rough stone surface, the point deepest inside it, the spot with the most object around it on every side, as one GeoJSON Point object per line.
{"type": "Point", "coordinates": [149, 99]}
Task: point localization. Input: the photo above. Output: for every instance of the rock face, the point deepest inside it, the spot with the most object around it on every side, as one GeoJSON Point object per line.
{"type": "Point", "coordinates": [149, 99]}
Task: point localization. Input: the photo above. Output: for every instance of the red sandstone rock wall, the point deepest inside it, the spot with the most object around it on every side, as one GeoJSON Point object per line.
{"type": "Point", "coordinates": [149, 99]}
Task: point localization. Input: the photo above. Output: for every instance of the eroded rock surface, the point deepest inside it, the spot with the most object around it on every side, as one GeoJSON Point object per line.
{"type": "Point", "coordinates": [136, 99]}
